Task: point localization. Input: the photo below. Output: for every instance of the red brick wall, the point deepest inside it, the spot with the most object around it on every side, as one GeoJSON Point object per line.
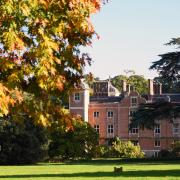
{"type": "Point", "coordinates": [120, 121]}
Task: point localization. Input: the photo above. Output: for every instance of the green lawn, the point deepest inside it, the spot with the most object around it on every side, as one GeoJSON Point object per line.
{"type": "Point", "coordinates": [93, 170]}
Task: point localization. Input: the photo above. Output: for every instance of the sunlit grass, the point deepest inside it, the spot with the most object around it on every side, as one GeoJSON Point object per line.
{"type": "Point", "coordinates": [94, 170]}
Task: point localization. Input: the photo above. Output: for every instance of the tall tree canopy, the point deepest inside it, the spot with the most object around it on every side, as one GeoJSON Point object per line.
{"type": "Point", "coordinates": [138, 81]}
{"type": "Point", "coordinates": [168, 86]}
{"type": "Point", "coordinates": [40, 54]}
{"type": "Point", "coordinates": [168, 68]}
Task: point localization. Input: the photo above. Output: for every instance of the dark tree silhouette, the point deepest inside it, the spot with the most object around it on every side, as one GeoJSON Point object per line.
{"type": "Point", "coordinates": [168, 68]}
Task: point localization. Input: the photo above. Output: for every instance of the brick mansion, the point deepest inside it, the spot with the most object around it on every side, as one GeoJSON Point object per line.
{"type": "Point", "coordinates": [109, 112]}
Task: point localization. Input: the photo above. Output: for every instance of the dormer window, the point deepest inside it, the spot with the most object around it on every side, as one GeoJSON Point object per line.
{"type": "Point", "coordinates": [77, 96]}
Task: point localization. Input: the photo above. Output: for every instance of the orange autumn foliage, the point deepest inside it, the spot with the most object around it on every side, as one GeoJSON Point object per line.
{"type": "Point", "coordinates": [40, 55]}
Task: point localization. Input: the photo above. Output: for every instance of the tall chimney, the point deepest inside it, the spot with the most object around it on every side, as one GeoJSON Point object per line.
{"type": "Point", "coordinates": [124, 85]}
{"type": "Point", "coordinates": [158, 88]}
{"type": "Point", "coordinates": [150, 87]}
{"type": "Point", "coordinates": [128, 87]}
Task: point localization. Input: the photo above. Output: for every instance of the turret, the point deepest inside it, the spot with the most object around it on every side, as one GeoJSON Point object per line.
{"type": "Point", "coordinates": [79, 101]}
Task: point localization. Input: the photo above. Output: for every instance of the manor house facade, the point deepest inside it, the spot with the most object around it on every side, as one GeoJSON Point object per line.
{"type": "Point", "coordinates": [109, 112]}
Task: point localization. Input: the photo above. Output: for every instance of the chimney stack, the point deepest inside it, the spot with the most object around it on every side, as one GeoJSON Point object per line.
{"type": "Point", "coordinates": [124, 85]}
{"type": "Point", "coordinates": [154, 88]}
{"type": "Point", "coordinates": [158, 88]}
{"type": "Point", "coordinates": [128, 87]}
{"type": "Point", "coordinates": [150, 87]}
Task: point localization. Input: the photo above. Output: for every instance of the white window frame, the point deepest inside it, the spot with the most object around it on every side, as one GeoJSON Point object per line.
{"type": "Point", "coordinates": [157, 143]}
{"type": "Point", "coordinates": [157, 129]}
{"type": "Point", "coordinates": [96, 114]}
{"type": "Point", "coordinates": [135, 130]}
{"type": "Point", "coordinates": [96, 127]}
{"type": "Point", "coordinates": [77, 97]}
{"type": "Point", "coordinates": [156, 154]}
{"type": "Point", "coordinates": [110, 114]}
{"type": "Point", "coordinates": [110, 129]}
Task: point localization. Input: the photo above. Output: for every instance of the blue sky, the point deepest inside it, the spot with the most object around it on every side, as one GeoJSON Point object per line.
{"type": "Point", "coordinates": [132, 34]}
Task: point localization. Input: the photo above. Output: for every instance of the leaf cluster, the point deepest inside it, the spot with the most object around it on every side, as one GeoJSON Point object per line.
{"type": "Point", "coordinates": [40, 55]}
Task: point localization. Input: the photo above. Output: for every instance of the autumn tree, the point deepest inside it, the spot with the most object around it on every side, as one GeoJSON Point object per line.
{"type": "Point", "coordinates": [168, 68]}
{"type": "Point", "coordinates": [40, 57]}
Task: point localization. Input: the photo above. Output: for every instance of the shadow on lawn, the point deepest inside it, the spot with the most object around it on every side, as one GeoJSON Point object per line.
{"type": "Point", "coordinates": [150, 173]}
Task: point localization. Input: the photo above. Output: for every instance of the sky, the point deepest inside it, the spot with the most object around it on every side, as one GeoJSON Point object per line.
{"type": "Point", "coordinates": [132, 35]}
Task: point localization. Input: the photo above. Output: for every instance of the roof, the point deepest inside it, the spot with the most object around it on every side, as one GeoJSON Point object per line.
{"type": "Point", "coordinates": [167, 97]}
{"type": "Point", "coordinates": [106, 99]}
{"type": "Point", "coordinates": [83, 85]}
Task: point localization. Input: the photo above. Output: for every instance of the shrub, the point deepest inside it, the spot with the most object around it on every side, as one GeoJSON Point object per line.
{"type": "Point", "coordinates": [126, 149]}
{"type": "Point", "coordinates": [175, 149]}
{"type": "Point", "coordinates": [104, 151]}
{"type": "Point", "coordinates": [120, 149]}
{"type": "Point", "coordinates": [165, 154]}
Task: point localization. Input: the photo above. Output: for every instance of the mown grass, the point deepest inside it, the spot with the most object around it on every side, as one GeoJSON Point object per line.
{"type": "Point", "coordinates": [93, 170]}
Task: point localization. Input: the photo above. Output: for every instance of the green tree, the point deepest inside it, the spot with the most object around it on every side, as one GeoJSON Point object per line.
{"type": "Point", "coordinates": [40, 55]}
{"type": "Point", "coordinates": [138, 81]}
{"type": "Point", "coordinates": [117, 81]}
{"type": "Point", "coordinates": [79, 141]}
{"type": "Point", "coordinates": [22, 143]}
{"type": "Point", "coordinates": [168, 66]}
{"type": "Point", "coordinates": [168, 87]}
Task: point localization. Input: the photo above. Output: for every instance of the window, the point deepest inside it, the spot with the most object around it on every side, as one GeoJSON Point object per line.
{"type": "Point", "coordinates": [133, 101]}
{"type": "Point", "coordinates": [96, 114]}
{"type": "Point", "coordinates": [157, 129]}
{"type": "Point", "coordinates": [156, 154]}
{"type": "Point", "coordinates": [135, 130]}
{"type": "Point", "coordinates": [110, 114]}
{"type": "Point", "coordinates": [96, 127]}
{"type": "Point", "coordinates": [157, 143]}
{"type": "Point", "coordinates": [175, 128]}
{"type": "Point", "coordinates": [77, 96]}
{"type": "Point", "coordinates": [135, 142]}
{"type": "Point", "coordinates": [110, 129]}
